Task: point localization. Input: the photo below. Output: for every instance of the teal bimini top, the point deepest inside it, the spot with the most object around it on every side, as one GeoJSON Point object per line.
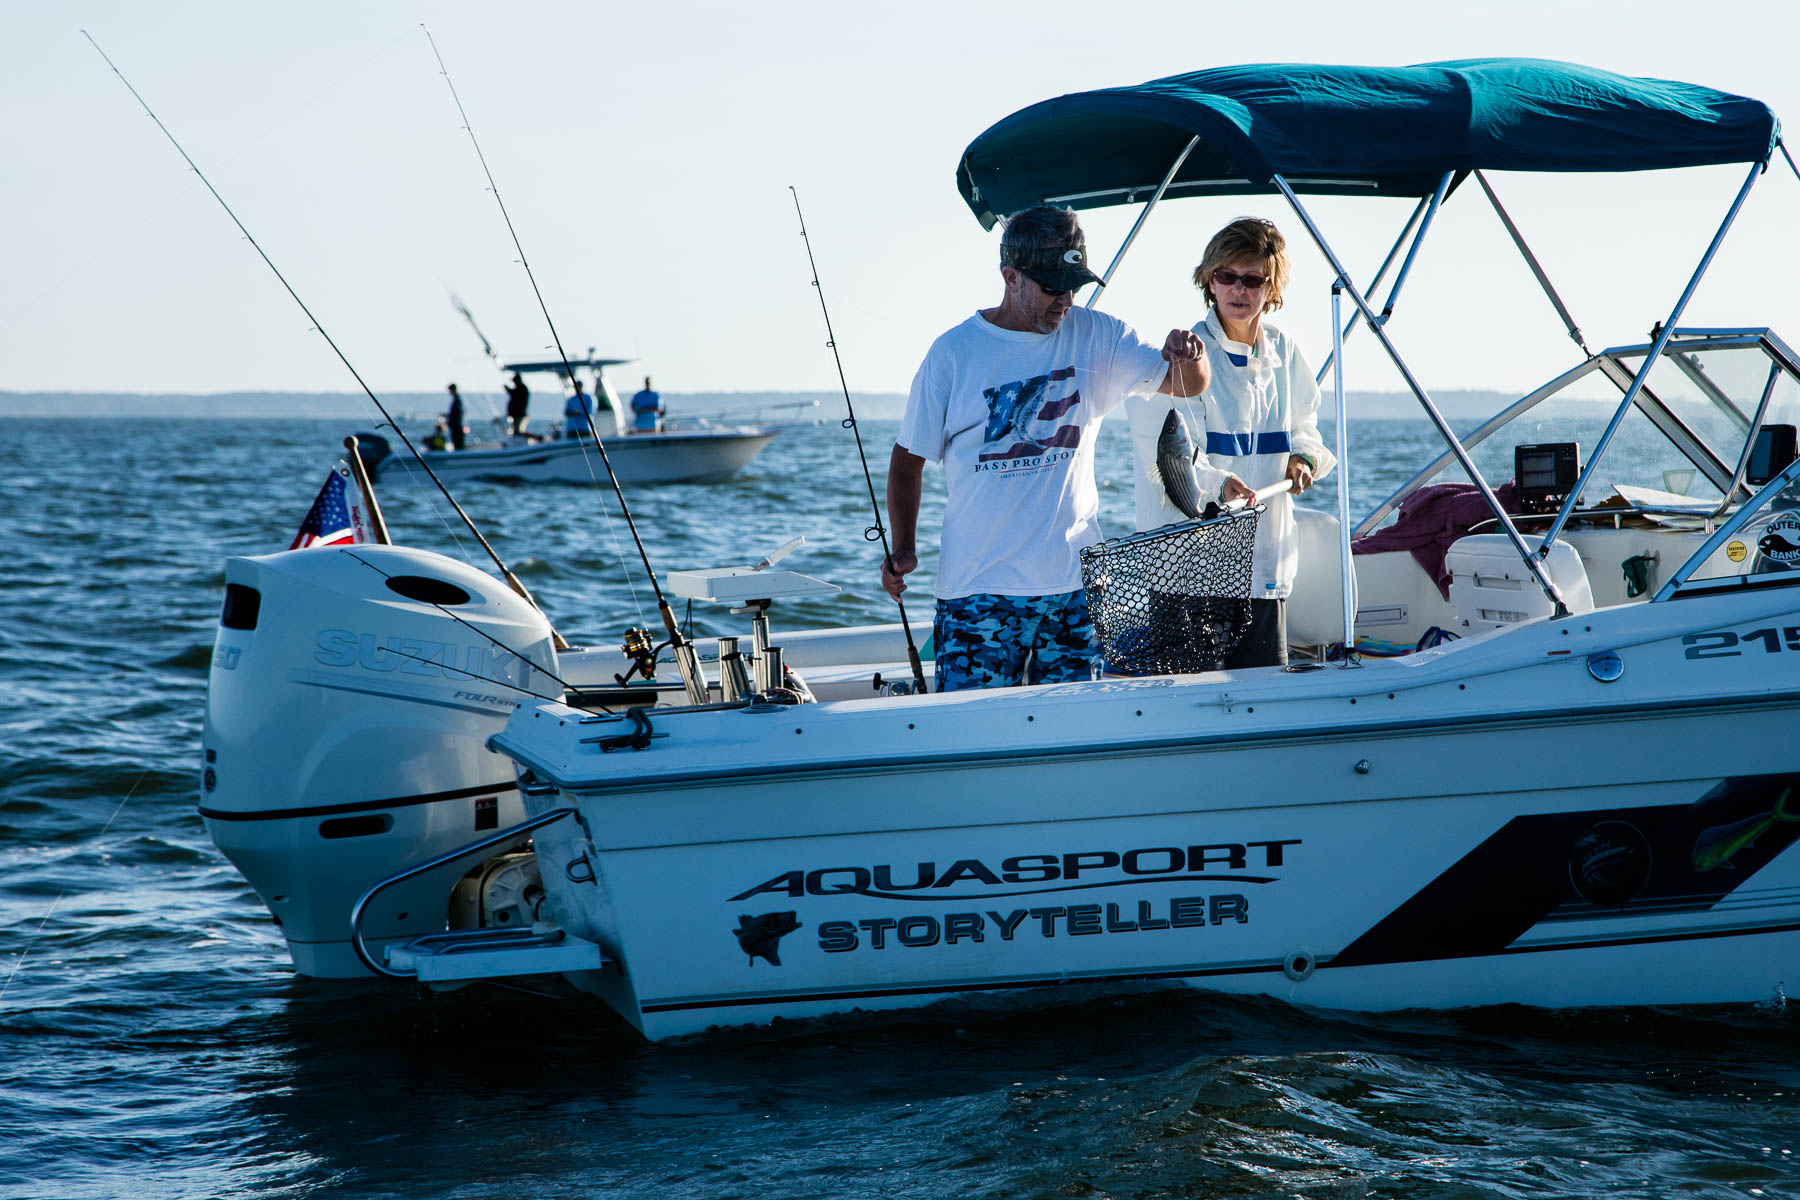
{"type": "Point", "coordinates": [1392, 131]}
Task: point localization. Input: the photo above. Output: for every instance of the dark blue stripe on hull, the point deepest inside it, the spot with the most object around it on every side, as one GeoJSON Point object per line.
{"type": "Point", "coordinates": [1598, 863]}
{"type": "Point", "coordinates": [1176, 974]}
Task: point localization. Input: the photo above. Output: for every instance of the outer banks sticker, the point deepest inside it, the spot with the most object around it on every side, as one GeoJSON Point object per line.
{"type": "Point", "coordinates": [1780, 541]}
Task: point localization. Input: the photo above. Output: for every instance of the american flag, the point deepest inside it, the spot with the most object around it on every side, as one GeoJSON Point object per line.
{"type": "Point", "coordinates": [338, 516]}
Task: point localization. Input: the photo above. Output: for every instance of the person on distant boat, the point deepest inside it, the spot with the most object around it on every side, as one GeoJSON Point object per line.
{"type": "Point", "coordinates": [439, 437]}
{"type": "Point", "coordinates": [454, 419]}
{"type": "Point", "coordinates": [578, 414]}
{"type": "Point", "coordinates": [1259, 422]}
{"type": "Point", "coordinates": [1009, 402]}
{"type": "Point", "coordinates": [518, 400]}
{"type": "Point", "coordinates": [647, 410]}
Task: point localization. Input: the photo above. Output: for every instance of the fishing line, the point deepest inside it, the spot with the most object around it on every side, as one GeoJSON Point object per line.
{"type": "Point", "coordinates": [101, 249]}
{"type": "Point", "coordinates": [875, 532]}
{"type": "Point", "coordinates": [685, 657]}
{"type": "Point", "coordinates": [11, 975]}
{"type": "Point", "coordinates": [37, 933]}
{"type": "Point", "coordinates": [511, 579]}
{"type": "Point", "coordinates": [567, 686]}
{"type": "Point", "coordinates": [612, 534]}
{"type": "Point", "coordinates": [443, 666]}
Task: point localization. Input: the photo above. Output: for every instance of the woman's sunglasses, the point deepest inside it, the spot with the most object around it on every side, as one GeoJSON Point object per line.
{"type": "Point", "coordinates": [1232, 279]}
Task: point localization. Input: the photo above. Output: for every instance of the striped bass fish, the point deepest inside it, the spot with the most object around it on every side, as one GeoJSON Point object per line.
{"type": "Point", "coordinates": [1175, 465]}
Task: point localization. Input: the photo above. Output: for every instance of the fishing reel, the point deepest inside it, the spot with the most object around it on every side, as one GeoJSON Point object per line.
{"type": "Point", "coordinates": [893, 687]}
{"type": "Point", "coordinates": [640, 648]}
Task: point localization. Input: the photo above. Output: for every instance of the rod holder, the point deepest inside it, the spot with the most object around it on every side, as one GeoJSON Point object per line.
{"type": "Point", "coordinates": [693, 678]}
{"type": "Point", "coordinates": [734, 677]}
{"type": "Point", "coordinates": [759, 647]}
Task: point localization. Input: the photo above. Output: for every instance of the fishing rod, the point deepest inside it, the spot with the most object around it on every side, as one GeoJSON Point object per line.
{"type": "Point", "coordinates": [512, 580]}
{"type": "Point", "coordinates": [487, 348]}
{"type": "Point", "coordinates": [686, 659]}
{"type": "Point", "coordinates": [875, 532]}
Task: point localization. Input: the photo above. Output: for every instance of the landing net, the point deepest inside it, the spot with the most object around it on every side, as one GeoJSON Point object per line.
{"type": "Point", "coordinates": [1172, 600]}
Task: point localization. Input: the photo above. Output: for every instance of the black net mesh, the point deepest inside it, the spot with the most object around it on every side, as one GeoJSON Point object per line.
{"type": "Point", "coordinates": [1172, 600]}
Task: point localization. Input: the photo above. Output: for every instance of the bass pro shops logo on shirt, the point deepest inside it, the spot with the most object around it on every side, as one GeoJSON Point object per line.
{"type": "Point", "coordinates": [1029, 423]}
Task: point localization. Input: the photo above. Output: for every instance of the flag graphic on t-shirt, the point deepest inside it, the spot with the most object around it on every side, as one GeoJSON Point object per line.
{"type": "Point", "coordinates": [1028, 417]}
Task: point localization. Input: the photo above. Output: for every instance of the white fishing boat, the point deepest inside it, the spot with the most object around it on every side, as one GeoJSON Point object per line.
{"type": "Point", "coordinates": [1570, 784]}
{"type": "Point", "coordinates": [689, 450]}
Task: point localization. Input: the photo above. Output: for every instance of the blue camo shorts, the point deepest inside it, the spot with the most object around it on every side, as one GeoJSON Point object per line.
{"type": "Point", "coordinates": [985, 640]}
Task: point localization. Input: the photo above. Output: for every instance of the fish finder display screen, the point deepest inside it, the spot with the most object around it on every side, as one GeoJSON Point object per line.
{"type": "Point", "coordinates": [1774, 450]}
{"type": "Point", "coordinates": [1544, 475]}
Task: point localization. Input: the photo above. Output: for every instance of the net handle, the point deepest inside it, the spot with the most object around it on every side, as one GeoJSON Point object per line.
{"type": "Point", "coordinates": [1263, 496]}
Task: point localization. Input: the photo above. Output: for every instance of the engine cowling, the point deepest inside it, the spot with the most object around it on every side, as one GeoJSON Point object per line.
{"type": "Point", "coordinates": [350, 698]}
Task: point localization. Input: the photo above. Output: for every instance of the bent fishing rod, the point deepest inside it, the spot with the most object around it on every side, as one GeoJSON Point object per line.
{"type": "Point", "coordinates": [875, 532]}
{"type": "Point", "coordinates": [686, 659]}
{"type": "Point", "coordinates": [512, 580]}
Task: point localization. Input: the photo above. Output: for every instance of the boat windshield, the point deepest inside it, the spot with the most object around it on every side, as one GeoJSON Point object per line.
{"type": "Point", "coordinates": [1717, 390]}
{"type": "Point", "coordinates": [1684, 445]}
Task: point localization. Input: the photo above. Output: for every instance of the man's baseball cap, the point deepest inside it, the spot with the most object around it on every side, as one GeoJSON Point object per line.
{"type": "Point", "coordinates": [1053, 268]}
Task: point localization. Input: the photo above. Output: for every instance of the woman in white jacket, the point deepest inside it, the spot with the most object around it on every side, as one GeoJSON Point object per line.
{"type": "Point", "coordinates": [1257, 424]}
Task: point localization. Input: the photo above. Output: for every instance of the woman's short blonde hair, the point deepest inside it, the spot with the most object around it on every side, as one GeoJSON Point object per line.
{"type": "Point", "coordinates": [1246, 240]}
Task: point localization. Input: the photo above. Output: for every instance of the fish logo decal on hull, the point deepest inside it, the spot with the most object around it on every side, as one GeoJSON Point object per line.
{"type": "Point", "coordinates": [760, 937]}
{"type": "Point", "coordinates": [1715, 847]}
{"type": "Point", "coordinates": [1610, 863]}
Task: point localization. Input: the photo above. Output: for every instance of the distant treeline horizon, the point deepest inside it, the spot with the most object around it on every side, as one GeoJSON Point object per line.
{"type": "Point", "coordinates": [547, 406]}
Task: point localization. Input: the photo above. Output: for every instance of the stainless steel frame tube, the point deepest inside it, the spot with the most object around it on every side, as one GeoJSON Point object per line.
{"type": "Point", "coordinates": [1418, 389]}
{"type": "Point", "coordinates": [1663, 334]}
{"type": "Point", "coordinates": [1142, 217]}
{"type": "Point", "coordinates": [1343, 466]}
{"type": "Point", "coordinates": [1380, 274]}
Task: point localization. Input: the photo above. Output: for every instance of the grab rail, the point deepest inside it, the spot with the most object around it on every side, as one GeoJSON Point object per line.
{"type": "Point", "coordinates": [362, 904]}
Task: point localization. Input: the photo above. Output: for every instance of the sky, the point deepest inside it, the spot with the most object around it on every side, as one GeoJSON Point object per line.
{"type": "Point", "coordinates": [645, 152]}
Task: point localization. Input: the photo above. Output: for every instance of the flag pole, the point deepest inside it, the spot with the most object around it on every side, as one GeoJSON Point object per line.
{"type": "Point", "coordinates": [377, 524]}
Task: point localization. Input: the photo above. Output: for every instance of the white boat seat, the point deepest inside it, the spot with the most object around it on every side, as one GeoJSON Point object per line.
{"type": "Point", "coordinates": [1492, 588]}
{"type": "Point", "coordinates": [1315, 608]}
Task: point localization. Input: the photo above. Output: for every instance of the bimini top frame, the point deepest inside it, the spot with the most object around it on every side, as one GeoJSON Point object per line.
{"type": "Point", "coordinates": [1395, 131]}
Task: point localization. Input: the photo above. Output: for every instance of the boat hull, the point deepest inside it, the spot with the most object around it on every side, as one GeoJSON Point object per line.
{"type": "Point", "coordinates": [697, 457]}
{"type": "Point", "coordinates": [1495, 825]}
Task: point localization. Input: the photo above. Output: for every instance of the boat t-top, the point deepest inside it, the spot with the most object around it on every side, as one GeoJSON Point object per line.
{"type": "Point", "coordinates": [1566, 779]}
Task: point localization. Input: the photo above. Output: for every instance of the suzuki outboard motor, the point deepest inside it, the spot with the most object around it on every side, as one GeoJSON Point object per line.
{"type": "Point", "coordinates": [351, 696]}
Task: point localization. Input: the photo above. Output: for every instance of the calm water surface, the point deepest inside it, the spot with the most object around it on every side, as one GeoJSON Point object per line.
{"type": "Point", "coordinates": [155, 1043]}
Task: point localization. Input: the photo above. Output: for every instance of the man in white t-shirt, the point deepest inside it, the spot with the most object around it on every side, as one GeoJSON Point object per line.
{"type": "Point", "coordinates": [1009, 401]}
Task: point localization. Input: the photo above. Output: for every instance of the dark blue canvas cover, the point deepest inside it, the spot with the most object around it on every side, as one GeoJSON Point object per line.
{"type": "Point", "coordinates": [1351, 130]}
